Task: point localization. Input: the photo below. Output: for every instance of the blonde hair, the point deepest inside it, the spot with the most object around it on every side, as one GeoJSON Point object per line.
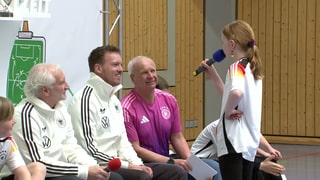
{"type": "Point", "coordinates": [242, 33]}
{"type": "Point", "coordinates": [6, 109]}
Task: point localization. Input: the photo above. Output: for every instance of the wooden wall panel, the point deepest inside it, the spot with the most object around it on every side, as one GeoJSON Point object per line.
{"type": "Point", "coordinates": [145, 33]}
{"type": "Point", "coordinates": [283, 59]}
{"type": "Point", "coordinates": [317, 72]}
{"type": "Point", "coordinates": [292, 68]}
{"type": "Point", "coordinates": [189, 53]}
{"type": "Point", "coordinates": [310, 63]}
{"type": "Point", "coordinates": [267, 62]}
{"type": "Point", "coordinates": [262, 37]}
{"type": "Point", "coordinates": [113, 14]}
{"type": "Point", "coordinates": [276, 66]}
{"type": "Point", "coordinates": [144, 30]}
{"type": "Point", "coordinates": [301, 70]}
{"type": "Point", "coordinates": [286, 33]}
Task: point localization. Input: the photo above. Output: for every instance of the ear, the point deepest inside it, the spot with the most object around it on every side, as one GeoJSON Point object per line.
{"type": "Point", "coordinates": [97, 68]}
{"type": "Point", "coordinates": [132, 77]}
{"type": "Point", "coordinates": [45, 91]}
{"type": "Point", "coordinates": [232, 44]}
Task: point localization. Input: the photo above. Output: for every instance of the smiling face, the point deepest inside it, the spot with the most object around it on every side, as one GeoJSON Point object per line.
{"type": "Point", "coordinates": [59, 88]}
{"type": "Point", "coordinates": [57, 91]}
{"type": "Point", "coordinates": [111, 68]}
{"type": "Point", "coordinates": [144, 74]}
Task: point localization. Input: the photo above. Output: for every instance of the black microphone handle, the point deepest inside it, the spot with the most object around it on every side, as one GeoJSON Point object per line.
{"type": "Point", "coordinates": [107, 169]}
{"type": "Point", "coordinates": [202, 69]}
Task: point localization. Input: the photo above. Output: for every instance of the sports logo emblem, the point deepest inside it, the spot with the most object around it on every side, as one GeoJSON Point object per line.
{"type": "Point", "coordinates": [46, 142]}
{"type": "Point", "coordinates": [105, 122]}
{"type": "Point", "coordinates": [61, 123]}
{"type": "Point", "coordinates": [165, 112]}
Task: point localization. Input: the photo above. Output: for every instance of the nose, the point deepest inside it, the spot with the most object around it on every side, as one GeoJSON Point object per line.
{"type": "Point", "coordinates": [120, 68]}
{"type": "Point", "coordinates": [67, 86]}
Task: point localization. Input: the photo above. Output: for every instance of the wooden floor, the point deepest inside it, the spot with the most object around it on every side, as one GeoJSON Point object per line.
{"type": "Point", "coordinates": [302, 162]}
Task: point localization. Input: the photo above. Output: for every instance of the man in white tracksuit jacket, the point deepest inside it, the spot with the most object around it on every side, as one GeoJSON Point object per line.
{"type": "Point", "coordinates": [99, 123]}
{"type": "Point", "coordinates": [43, 129]}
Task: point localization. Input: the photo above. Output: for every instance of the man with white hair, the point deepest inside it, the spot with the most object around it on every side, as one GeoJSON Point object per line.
{"type": "Point", "coordinates": [43, 129]}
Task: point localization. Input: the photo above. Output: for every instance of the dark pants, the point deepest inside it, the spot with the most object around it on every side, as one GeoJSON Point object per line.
{"type": "Point", "coordinates": [133, 174]}
{"type": "Point", "coordinates": [233, 166]}
{"type": "Point", "coordinates": [11, 177]}
{"type": "Point", "coordinates": [113, 176]}
{"type": "Point", "coordinates": [163, 171]}
{"type": "Point", "coordinates": [63, 178]}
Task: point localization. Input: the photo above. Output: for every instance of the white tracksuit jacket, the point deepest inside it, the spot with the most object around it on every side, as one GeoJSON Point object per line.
{"type": "Point", "coordinates": [45, 135]}
{"type": "Point", "coordinates": [98, 123]}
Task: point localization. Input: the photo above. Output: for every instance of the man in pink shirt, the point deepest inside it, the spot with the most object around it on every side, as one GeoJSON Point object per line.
{"type": "Point", "coordinates": [152, 117]}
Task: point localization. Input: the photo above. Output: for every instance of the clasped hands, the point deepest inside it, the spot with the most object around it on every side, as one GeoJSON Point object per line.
{"type": "Point", "coordinates": [234, 114]}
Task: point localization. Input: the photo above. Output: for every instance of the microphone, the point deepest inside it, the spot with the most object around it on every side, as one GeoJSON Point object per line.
{"type": "Point", "coordinates": [113, 165]}
{"type": "Point", "coordinates": [217, 56]}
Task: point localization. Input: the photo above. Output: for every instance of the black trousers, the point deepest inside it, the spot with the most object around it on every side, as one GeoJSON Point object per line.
{"type": "Point", "coordinates": [164, 171]}
{"type": "Point", "coordinates": [11, 177]}
{"type": "Point", "coordinates": [113, 176]}
{"type": "Point", "coordinates": [233, 166]}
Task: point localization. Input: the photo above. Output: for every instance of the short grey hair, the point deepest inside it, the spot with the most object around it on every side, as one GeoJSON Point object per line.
{"type": "Point", "coordinates": [40, 75]}
{"type": "Point", "coordinates": [133, 61]}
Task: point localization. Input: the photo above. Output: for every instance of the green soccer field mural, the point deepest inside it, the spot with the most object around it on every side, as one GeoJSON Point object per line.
{"type": "Point", "coordinates": [25, 54]}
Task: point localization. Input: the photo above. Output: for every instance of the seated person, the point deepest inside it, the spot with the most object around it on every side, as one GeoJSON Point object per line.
{"type": "Point", "coordinates": [152, 117]}
{"type": "Point", "coordinates": [144, 108]}
{"type": "Point", "coordinates": [101, 131]}
{"type": "Point", "coordinates": [44, 131]}
{"type": "Point", "coordinates": [205, 147]}
{"type": "Point", "coordinates": [10, 154]}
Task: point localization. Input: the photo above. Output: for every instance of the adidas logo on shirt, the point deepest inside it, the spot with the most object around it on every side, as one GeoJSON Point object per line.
{"type": "Point", "coordinates": [144, 120]}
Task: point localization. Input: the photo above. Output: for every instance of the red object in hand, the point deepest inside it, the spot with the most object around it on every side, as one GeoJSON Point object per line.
{"type": "Point", "coordinates": [114, 165]}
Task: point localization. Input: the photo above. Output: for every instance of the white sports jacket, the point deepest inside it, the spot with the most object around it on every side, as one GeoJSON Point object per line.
{"type": "Point", "coordinates": [45, 135]}
{"type": "Point", "coordinates": [98, 123]}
